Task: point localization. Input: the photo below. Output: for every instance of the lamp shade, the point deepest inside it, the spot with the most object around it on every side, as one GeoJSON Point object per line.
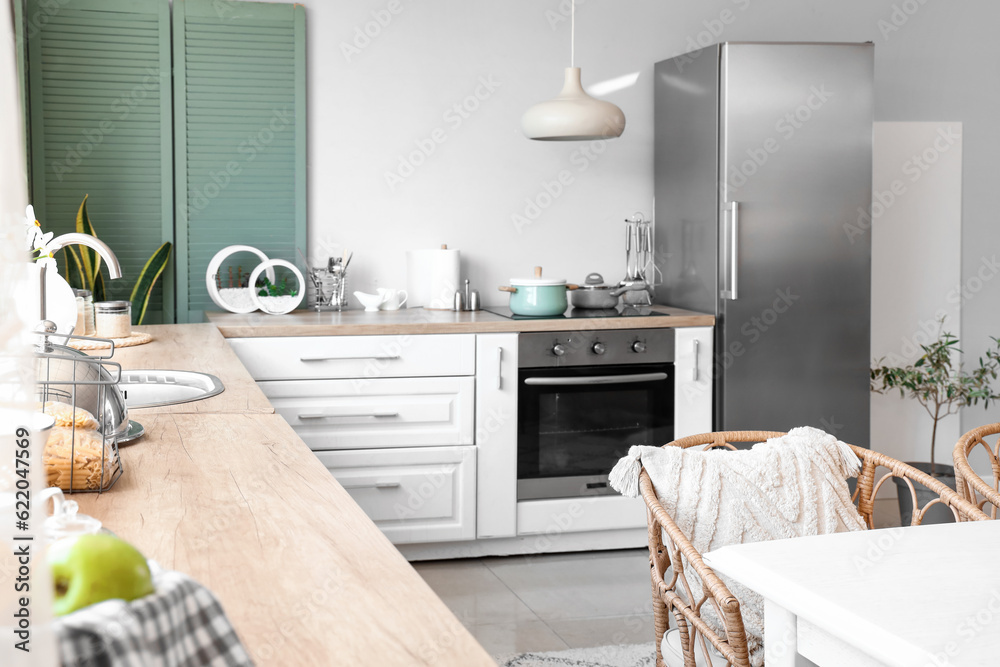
{"type": "Point", "coordinates": [573, 115]}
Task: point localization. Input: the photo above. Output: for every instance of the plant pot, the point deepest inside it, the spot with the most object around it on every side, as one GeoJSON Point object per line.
{"type": "Point", "coordinates": [939, 513]}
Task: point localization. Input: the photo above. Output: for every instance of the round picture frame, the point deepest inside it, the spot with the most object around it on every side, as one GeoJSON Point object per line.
{"type": "Point", "coordinates": [213, 269]}
{"type": "Point", "coordinates": [268, 266]}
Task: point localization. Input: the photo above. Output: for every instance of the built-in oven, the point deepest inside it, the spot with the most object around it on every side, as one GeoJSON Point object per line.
{"type": "Point", "coordinates": [583, 399]}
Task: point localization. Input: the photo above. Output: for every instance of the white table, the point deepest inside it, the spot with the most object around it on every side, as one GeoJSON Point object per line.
{"type": "Point", "coordinates": [926, 596]}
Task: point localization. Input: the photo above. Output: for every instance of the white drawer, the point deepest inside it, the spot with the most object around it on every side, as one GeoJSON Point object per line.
{"type": "Point", "coordinates": [331, 357]}
{"type": "Point", "coordinates": [412, 495]}
{"type": "Point", "coordinates": [398, 412]}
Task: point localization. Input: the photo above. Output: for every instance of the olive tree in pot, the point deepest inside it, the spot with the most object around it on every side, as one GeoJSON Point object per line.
{"type": "Point", "coordinates": [939, 383]}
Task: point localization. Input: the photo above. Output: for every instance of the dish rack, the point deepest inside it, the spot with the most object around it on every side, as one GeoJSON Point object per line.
{"type": "Point", "coordinates": [78, 459]}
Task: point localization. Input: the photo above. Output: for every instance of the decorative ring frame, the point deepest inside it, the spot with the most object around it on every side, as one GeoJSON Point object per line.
{"type": "Point", "coordinates": [213, 270]}
{"type": "Point", "coordinates": [268, 265]}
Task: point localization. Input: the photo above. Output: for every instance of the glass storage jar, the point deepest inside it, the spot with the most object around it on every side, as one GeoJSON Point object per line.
{"type": "Point", "coordinates": [113, 319]}
{"type": "Point", "coordinates": [85, 314]}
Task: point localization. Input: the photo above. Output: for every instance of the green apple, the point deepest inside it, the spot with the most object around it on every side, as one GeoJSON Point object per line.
{"type": "Point", "coordinates": [92, 568]}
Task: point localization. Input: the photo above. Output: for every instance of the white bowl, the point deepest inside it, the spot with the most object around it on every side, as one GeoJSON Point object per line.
{"type": "Point", "coordinates": [370, 301]}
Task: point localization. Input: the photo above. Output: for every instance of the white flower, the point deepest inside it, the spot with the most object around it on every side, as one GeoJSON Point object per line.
{"type": "Point", "coordinates": [48, 261]}
{"type": "Point", "coordinates": [32, 228]}
{"type": "Point", "coordinates": [42, 240]}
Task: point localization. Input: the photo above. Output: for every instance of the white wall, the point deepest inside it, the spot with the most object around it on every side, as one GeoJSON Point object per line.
{"type": "Point", "coordinates": [916, 262]}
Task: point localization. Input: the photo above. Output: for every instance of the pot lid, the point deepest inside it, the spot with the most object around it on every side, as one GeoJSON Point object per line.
{"type": "Point", "coordinates": [594, 281]}
{"type": "Point", "coordinates": [537, 280]}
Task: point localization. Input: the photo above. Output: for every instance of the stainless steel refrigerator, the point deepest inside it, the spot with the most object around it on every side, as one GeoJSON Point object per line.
{"type": "Point", "coordinates": [763, 170]}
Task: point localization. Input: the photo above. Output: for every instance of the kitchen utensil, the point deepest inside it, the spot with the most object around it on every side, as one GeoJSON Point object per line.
{"type": "Point", "coordinates": [474, 302]}
{"type": "Point", "coordinates": [371, 302]}
{"type": "Point", "coordinates": [459, 303]}
{"type": "Point", "coordinates": [594, 293]}
{"type": "Point", "coordinates": [394, 298]}
{"type": "Point", "coordinates": [537, 297]}
{"type": "Point", "coordinates": [432, 276]}
{"type": "Point", "coordinates": [636, 287]}
{"type": "Point", "coordinates": [134, 432]}
{"type": "Point", "coordinates": [70, 376]}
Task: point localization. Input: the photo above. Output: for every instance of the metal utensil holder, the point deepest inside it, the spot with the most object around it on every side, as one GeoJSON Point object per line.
{"type": "Point", "coordinates": [68, 390]}
{"type": "Point", "coordinates": [329, 289]}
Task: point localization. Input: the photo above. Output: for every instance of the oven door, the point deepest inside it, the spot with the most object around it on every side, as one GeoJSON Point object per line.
{"type": "Point", "coordinates": [575, 423]}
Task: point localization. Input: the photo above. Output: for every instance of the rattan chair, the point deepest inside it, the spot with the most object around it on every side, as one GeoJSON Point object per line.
{"type": "Point", "coordinates": [970, 485]}
{"type": "Point", "coordinates": [670, 549]}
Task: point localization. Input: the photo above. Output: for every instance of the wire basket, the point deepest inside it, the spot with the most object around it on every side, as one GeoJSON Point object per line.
{"type": "Point", "coordinates": [79, 391]}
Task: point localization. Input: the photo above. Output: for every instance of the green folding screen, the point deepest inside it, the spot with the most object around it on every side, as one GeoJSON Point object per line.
{"type": "Point", "coordinates": [100, 124]}
{"type": "Point", "coordinates": [191, 131]}
{"type": "Point", "coordinates": [239, 135]}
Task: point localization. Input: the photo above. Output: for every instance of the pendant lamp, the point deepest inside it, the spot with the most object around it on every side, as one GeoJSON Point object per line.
{"type": "Point", "coordinates": [573, 115]}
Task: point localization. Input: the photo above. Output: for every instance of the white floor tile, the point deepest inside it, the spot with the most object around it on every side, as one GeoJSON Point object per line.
{"type": "Point", "coordinates": [522, 637]}
{"type": "Point", "coordinates": [473, 593]}
{"type": "Point", "coordinates": [583, 585]}
{"type": "Point", "coordinates": [587, 632]}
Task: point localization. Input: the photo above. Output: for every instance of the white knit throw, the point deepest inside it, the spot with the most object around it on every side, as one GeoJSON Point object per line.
{"type": "Point", "coordinates": [791, 486]}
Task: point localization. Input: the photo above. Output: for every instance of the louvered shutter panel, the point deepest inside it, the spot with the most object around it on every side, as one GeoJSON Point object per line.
{"type": "Point", "coordinates": [239, 114]}
{"type": "Point", "coordinates": [100, 110]}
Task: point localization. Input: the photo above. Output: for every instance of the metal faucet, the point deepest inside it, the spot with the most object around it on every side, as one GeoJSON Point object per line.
{"type": "Point", "coordinates": [60, 242]}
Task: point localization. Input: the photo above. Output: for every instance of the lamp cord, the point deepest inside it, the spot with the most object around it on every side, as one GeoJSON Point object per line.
{"type": "Point", "coordinates": [572, 34]}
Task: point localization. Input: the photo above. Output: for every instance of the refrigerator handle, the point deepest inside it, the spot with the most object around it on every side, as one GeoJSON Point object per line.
{"type": "Point", "coordinates": [734, 254]}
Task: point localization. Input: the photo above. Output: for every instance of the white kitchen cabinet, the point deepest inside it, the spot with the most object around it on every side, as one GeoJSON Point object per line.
{"type": "Point", "coordinates": [496, 434]}
{"type": "Point", "coordinates": [367, 357]}
{"type": "Point", "coordinates": [693, 373]}
{"type": "Point", "coordinates": [391, 412]}
{"type": "Point", "coordinates": [412, 495]}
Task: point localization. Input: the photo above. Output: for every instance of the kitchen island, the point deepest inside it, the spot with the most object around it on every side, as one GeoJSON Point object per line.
{"type": "Point", "coordinates": [224, 490]}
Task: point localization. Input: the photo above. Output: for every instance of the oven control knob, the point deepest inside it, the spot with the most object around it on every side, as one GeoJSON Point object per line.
{"type": "Point", "coordinates": [559, 349]}
{"type": "Point", "coordinates": [639, 347]}
{"type": "Point", "coordinates": [598, 348]}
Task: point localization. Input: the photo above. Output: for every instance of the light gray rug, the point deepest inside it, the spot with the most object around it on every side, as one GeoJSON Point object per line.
{"type": "Point", "coordinates": [626, 655]}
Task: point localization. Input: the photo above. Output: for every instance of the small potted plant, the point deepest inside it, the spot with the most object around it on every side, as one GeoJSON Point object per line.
{"type": "Point", "coordinates": [942, 388]}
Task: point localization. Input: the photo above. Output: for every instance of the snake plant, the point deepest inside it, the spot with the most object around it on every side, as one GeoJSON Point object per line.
{"type": "Point", "coordinates": [83, 268]}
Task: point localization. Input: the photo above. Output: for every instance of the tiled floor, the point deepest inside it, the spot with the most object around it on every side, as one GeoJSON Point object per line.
{"type": "Point", "coordinates": [557, 601]}
{"type": "Point", "coordinates": [548, 602]}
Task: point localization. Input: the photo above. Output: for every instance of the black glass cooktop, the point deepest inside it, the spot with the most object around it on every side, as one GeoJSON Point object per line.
{"type": "Point", "coordinates": [582, 313]}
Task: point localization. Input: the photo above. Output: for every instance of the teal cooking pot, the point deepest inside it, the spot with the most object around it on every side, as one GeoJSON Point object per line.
{"type": "Point", "coordinates": [537, 297]}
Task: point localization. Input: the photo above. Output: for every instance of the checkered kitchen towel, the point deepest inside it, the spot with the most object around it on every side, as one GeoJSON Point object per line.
{"type": "Point", "coordinates": [181, 625]}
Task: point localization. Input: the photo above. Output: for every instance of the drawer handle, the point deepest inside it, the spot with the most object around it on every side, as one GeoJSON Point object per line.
{"type": "Point", "coordinates": [378, 484]}
{"type": "Point", "coordinates": [387, 357]}
{"type": "Point", "coordinates": [695, 374]}
{"type": "Point", "coordinates": [324, 415]}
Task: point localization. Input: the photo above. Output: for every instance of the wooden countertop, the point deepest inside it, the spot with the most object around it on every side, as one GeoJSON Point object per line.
{"type": "Point", "coordinates": [241, 504]}
{"type": "Point", "coordinates": [420, 321]}
{"type": "Point", "coordinates": [196, 347]}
